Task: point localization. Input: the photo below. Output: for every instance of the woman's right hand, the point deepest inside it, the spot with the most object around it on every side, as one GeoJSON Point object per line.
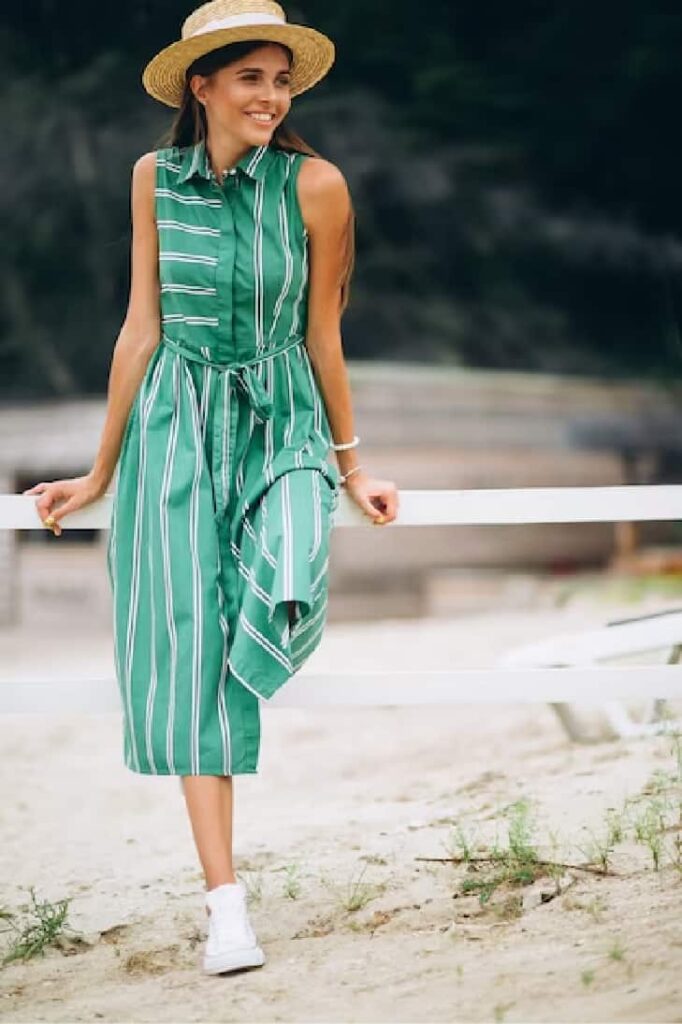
{"type": "Point", "coordinates": [74, 493]}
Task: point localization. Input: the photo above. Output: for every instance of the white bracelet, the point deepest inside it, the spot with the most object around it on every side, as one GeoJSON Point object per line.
{"type": "Point", "coordinates": [348, 444]}
{"type": "Point", "coordinates": [344, 477]}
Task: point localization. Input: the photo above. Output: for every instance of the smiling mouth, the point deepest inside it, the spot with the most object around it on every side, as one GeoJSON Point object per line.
{"type": "Point", "coordinates": [260, 118]}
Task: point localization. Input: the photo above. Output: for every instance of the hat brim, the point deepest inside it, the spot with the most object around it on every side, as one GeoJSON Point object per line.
{"type": "Point", "coordinates": [164, 76]}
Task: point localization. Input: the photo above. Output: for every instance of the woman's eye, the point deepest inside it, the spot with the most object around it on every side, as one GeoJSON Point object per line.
{"type": "Point", "coordinates": [254, 78]}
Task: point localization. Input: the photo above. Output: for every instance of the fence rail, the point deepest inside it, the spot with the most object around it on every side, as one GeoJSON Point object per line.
{"type": "Point", "coordinates": [591, 683]}
{"type": "Point", "coordinates": [473, 507]}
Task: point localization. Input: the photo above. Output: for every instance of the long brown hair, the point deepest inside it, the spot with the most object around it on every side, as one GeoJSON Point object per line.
{"type": "Point", "coordinates": [190, 126]}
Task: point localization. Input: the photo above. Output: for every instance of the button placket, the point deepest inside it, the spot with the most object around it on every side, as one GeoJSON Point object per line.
{"type": "Point", "coordinates": [225, 270]}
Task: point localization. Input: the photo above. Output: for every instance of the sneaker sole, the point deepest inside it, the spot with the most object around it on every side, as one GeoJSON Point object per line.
{"type": "Point", "coordinates": [234, 960]}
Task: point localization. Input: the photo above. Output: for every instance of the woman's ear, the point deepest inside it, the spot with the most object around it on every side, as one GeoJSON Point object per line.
{"type": "Point", "coordinates": [197, 85]}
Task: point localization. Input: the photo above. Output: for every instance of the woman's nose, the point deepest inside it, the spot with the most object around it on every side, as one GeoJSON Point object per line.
{"type": "Point", "coordinates": [268, 93]}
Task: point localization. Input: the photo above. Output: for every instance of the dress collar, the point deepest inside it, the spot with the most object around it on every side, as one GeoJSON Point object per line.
{"type": "Point", "coordinates": [254, 163]}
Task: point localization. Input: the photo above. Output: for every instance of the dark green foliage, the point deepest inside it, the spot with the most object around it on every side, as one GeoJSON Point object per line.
{"type": "Point", "coordinates": [514, 169]}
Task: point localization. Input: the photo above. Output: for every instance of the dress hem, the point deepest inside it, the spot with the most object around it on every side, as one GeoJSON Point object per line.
{"type": "Point", "coordinates": [179, 772]}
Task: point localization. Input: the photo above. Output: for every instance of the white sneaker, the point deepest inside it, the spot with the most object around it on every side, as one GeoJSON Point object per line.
{"type": "Point", "coordinates": [231, 942]}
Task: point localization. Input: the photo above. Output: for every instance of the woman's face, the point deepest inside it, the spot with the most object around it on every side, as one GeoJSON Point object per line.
{"type": "Point", "coordinates": [255, 84]}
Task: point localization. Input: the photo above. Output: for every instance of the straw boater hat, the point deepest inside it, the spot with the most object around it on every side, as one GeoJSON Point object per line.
{"type": "Point", "coordinates": [229, 21]}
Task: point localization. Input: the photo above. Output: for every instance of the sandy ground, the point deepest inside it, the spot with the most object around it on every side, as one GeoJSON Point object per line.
{"type": "Point", "coordinates": [344, 797]}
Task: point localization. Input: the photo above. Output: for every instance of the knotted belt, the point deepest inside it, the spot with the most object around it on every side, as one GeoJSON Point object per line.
{"type": "Point", "coordinates": [248, 380]}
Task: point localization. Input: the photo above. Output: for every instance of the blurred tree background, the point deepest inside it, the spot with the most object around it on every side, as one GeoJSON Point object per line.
{"type": "Point", "coordinates": [513, 169]}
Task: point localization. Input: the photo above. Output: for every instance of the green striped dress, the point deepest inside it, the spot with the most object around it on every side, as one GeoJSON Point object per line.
{"type": "Point", "coordinates": [224, 495]}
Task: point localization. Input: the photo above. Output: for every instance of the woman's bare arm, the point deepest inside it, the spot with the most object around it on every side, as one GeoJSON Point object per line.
{"type": "Point", "coordinates": [137, 340]}
{"type": "Point", "coordinates": [325, 207]}
{"type": "Point", "coordinates": [326, 210]}
{"type": "Point", "coordinates": [140, 333]}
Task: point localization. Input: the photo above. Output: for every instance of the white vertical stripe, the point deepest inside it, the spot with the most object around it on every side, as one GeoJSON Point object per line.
{"type": "Point", "coordinates": [239, 479]}
{"type": "Point", "coordinates": [133, 606]}
{"type": "Point", "coordinates": [317, 507]}
{"type": "Point", "coordinates": [267, 554]}
{"type": "Point", "coordinates": [286, 247]}
{"type": "Point", "coordinates": [149, 718]}
{"type": "Point", "coordinates": [223, 716]}
{"type": "Point", "coordinates": [197, 589]}
{"type": "Point", "coordinates": [287, 552]}
{"type": "Point", "coordinates": [206, 381]}
{"type": "Point", "coordinates": [167, 578]}
{"type": "Point", "coordinates": [304, 281]}
{"type": "Point", "coordinates": [225, 456]}
{"type": "Point", "coordinates": [317, 418]}
{"type": "Point", "coordinates": [258, 262]}
{"type": "Point", "coordinates": [256, 159]}
{"type": "Point", "coordinates": [269, 429]}
{"type": "Point", "coordinates": [291, 417]}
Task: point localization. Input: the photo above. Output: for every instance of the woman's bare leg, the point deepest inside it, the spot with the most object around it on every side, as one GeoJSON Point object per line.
{"type": "Point", "coordinates": [209, 800]}
{"type": "Point", "coordinates": [209, 804]}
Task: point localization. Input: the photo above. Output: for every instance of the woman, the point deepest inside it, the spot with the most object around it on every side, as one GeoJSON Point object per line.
{"type": "Point", "coordinates": [227, 388]}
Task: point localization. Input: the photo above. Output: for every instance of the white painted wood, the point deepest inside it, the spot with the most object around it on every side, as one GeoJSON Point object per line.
{"type": "Point", "coordinates": [381, 689]}
{"type": "Point", "coordinates": [654, 633]}
{"type": "Point", "coordinates": [643, 634]}
{"type": "Point", "coordinates": [488, 506]}
{"type": "Point", "coordinates": [523, 675]}
{"type": "Point", "coordinates": [8, 566]}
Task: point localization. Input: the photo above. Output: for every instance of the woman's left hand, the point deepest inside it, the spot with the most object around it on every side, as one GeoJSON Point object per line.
{"type": "Point", "coordinates": [378, 499]}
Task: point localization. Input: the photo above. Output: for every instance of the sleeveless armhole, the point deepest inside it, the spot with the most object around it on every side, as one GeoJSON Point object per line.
{"type": "Point", "coordinates": [293, 184]}
{"type": "Point", "coordinates": [159, 182]}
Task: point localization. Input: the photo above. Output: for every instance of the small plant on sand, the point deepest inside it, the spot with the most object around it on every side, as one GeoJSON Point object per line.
{"type": "Point", "coordinates": [616, 826]}
{"type": "Point", "coordinates": [253, 881]}
{"type": "Point", "coordinates": [517, 863]}
{"type": "Point", "coordinates": [657, 809]}
{"type": "Point", "coordinates": [292, 883]}
{"type": "Point", "coordinates": [650, 827]}
{"type": "Point", "coordinates": [374, 858]}
{"type": "Point", "coordinates": [659, 782]}
{"type": "Point", "coordinates": [460, 843]}
{"type": "Point", "coordinates": [597, 849]}
{"type": "Point", "coordinates": [42, 926]}
{"type": "Point", "coordinates": [587, 977]}
{"type": "Point", "coordinates": [617, 950]}
{"type": "Point", "coordinates": [599, 846]}
{"type": "Point", "coordinates": [675, 738]}
{"type": "Point", "coordinates": [355, 893]}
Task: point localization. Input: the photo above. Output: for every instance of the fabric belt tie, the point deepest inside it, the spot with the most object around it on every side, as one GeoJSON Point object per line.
{"type": "Point", "coordinates": [257, 396]}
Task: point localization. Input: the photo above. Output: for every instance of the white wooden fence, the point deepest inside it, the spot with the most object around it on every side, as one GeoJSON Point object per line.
{"type": "Point", "coordinates": [556, 682]}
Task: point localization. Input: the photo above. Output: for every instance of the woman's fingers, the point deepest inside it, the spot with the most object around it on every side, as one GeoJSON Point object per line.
{"type": "Point", "coordinates": [46, 500]}
{"type": "Point", "coordinates": [390, 508]}
{"type": "Point", "coordinates": [72, 494]}
{"type": "Point", "coordinates": [393, 502]}
{"type": "Point", "coordinates": [378, 501]}
{"type": "Point", "coordinates": [387, 500]}
{"type": "Point", "coordinates": [70, 505]}
{"type": "Point", "coordinates": [49, 493]}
